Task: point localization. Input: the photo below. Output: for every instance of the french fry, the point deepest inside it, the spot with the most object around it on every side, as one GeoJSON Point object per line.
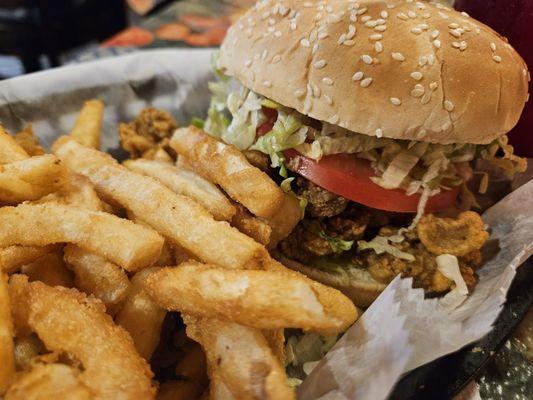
{"type": "Point", "coordinates": [7, 358]}
{"type": "Point", "coordinates": [256, 228]}
{"type": "Point", "coordinates": [175, 216]}
{"type": "Point", "coordinates": [18, 293]}
{"type": "Point", "coordinates": [276, 340]}
{"type": "Point", "coordinates": [50, 269]}
{"type": "Point", "coordinates": [79, 192]}
{"type": "Point", "coordinates": [285, 220]}
{"type": "Point", "coordinates": [178, 390]}
{"type": "Point", "coordinates": [29, 179]}
{"type": "Point", "coordinates": [49, 381]}
{"type": "Point", "coordinates": [9, 149]}
{"type": "Point", "coordinates": [89, 123]}
{"type": "Point", "coordinates": [27, 348]}
{"type": "Point", "coordinates": [141, 316]}
{"type": "Point", "coordinates": [261, 299]}
{"type": "Point", "coordinates": [241, 358]}
{"type": "Point", "coordinates": [228, 167]}
{"type": "Point", "coordinates": [69, 321]}
{"type": "Point", "coordinates": [14, 257]}
{"type": "Point", "coordinates": [27, 140]}
{"type": "Point", "coordinates": [97, 276]}
{"type": "Point", "coordinates": [129, 245]}
{"type": "Point", "coordinates": [187, 183]}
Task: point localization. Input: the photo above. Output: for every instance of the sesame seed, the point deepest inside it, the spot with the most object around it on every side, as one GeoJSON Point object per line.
{"type": "Point", "coordinates": [271, 29]}
{"type": "Point", "coordinates": [424, 27]}
{"type": "Point", "coordinates": [422, 61]}
{"type": "Point", "coordinates": [327, 81]}
{"type": "Point", "coordinates": [357, 76]}
{"type": "Point", "coordinates": [493, 46]}
{"type": "Point", "coordinates": [448, 105]}
{"type": "Point", "coordinates": [366, 18]}
{"type": "Point", "coordinates": [380, 28]}
{"type": "Point", "coordinates": [334, 119]}
{"type": "Point", "coordinates": [361, 11]}
{"type": "Point", "coordinates": [396, 101]}
{"type": "Point", "coordinates": [353, 17]}
{"type": "Point", "coordinates": [366, 59]}
{"type": "Point", "coordinates": [446, 126]}
{"type": "Point", "coordinates": [417, 92]}
{"type": "Point", "coordinates": [402, 16]}
{"type": "Point", "coordinates": [371, 23]}
{"type": "Point", "coordinates": [411, 14]}
{"type": "Point", "coordinates": [436, 43]}
{"type": "Point", "coordinates": [391, 6]}
{"type": "Point", "coordinates": [323, 35]}
{"type": "Point", "coordinates": [416, 31]}
{"type": "Point", "coordinates": [308, 4]}
{"type": "Point", "coordinates": [379, 132]}
{"type": "Point", "coordinates": [267, 84]}
{"type": "Point", "coordinates": [456, 45]}
{"type": "Point", "coordinates": [431, 59]}
{"type": "Point", "coordinates": [455, 33]}
{"type": "Point", "coordinates": [298, 93]}
{"type": "Point", "coordinates": [351, 32]}
{"type": "Point", "coordinates": [315, 48]}
{"type": "Point", "coordinates": [319, 64]}
{"type": "Point", "coordinates": [376, 36]}
{"type": "Point", "coordinates": [271, 21]}
{"type": "Point", "coordinates": [384, 14]}
{"type": "Point", "coordinates": [276, 58]}
{"type": "Point", "coordinates": [425, 99]}
{"type": "Point", "coordinates": [416, 75]}
{"type": "Point", "coordinates": [453, 25]}
{"type": "Point", "coordinates": [318, 16]}
{"type": "Point", "coordinates": [333, 18]}
{"type": "Point", "coordinates": [420, 6]}
{"type": "Point", "coordinates": [316, 91]}
{"type": "Point", "coordinates": [313, 35]}
{"type": "Point", "coordinates": [378, 47]}
{"type": "Point", "coordinates": [380, 21]}
{"type": "Point", "coordinates": [247, 63]}
{"type": "Point", "coordinates": [342, 38]}
{"type": "Point", "coordinates": [305, 43]}
{"type": "Point", "coordinates": [496, 58]}
{"type": "Point", "coordinates": [433, 85]}
{"type": "Point", "coordinates": [463, 46]}
{"type": "Point", "coordinates": [398, 56]}
{"type": "Point", "coordinates": [349, 42]}
{"type": "Point", "coordinates": [435, 34]}
{"type": "Point", "coordinates": [426, 15]}
{"type": "Point", "coordinates": [366, 82]}
{"type": "Point", "coordinates": [442, 15]}
{"type": "Point", "coordinates": [328, 99]}
{"type": "Point", "coordinates": [264, 54]}
{"type": "Point", "coordinates": [307, 106]}
{"type": "Point", "coordinates": [465, 14]}
{"type": "Point", "coordinates": [293, 25]}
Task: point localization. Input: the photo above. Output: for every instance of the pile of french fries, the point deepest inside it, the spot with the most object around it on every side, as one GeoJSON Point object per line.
{"type": "Point", "coordinates": [99, 258]}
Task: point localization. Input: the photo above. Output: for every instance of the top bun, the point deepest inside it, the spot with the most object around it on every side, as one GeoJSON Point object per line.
{"type": "Point", "coordinates": [400, 69]}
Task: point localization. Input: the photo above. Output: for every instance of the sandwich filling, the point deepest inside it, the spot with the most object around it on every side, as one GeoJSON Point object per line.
{"type": "Point", "coordinates": [366, 199]}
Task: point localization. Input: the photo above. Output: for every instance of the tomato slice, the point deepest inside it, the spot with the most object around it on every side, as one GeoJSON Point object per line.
{"type": "Point", "coordinates": [349, 176]}
{"type": "Point", "coordinates": [272, 115]}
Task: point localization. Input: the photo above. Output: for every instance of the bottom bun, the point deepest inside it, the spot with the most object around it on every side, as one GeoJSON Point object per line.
{"type": "Point", "coordinates": [362, 290]}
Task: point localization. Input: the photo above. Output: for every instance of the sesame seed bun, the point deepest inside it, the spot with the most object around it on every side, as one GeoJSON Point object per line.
{"type": "Point", "coordinates": [398, 69]}
{"type": "Point", "coordinates": [362, 290]}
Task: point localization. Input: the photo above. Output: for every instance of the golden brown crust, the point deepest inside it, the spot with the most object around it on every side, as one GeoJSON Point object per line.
{"type": "Point", "coordinates": [473, 83]}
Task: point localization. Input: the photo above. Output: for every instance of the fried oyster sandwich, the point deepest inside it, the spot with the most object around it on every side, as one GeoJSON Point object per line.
{"type": "Point", "coordinates": [374, 115]}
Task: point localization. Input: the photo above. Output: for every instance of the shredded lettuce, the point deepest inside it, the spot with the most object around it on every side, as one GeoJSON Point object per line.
{"type": "Point", "coordinates": [380, 245]}
{"type": "Point", "coordinates": [198, 122]}
{"type": "Point", "coordinates": [287, 132]}
{"type": "Point", "coordinates": [448, 265]}
{"type": "Point", "coordinates": [307, 347]}
{"type": "Point", "coordinates": [338, 245]}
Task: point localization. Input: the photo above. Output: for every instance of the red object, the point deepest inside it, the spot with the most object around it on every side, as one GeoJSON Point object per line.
{"type": "Point", "coordinates": [174, 31]}
{"type": "Point", "coordinates": [349, 176]}
{"type": "Point", "coordinates": [271, 115]}
{"type": "Point", "coordinates": [514, 20]}
{"type": "Point", "coordinates": [133, 36]}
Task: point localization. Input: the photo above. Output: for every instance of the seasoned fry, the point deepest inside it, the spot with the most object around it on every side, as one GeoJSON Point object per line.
{"type": "Point", "coordinates": [129, 245]}
{"type": "Point", "coordinates": [51, 270]}
{"type": "Point", "coordinates": [14, 257]}
{"type": "Point", "coordinates": [18, 293]}
{"type": "Point", "coordinates": [29, 179]}
{"type": "Point", "coordinates": [89, 123]}
{"type": "Point", "coordinates": [240, 356]}
{"type": "Point", "coordinates": [178, 390]}
{"type": "Point", "coordinates": [7, 358]}
{"type": "Point", "coordinates": [228, 167]}
{"type": "Point", "coordinates": [193, 365]}
{"type": "Point", "coordinates": [141, 316]}
{"type": "Point", "coordinates": [187, 183]}
{"type": "Point", "coordinates": [284, 221]}
{"type": "Point", "coordinates": [177, 217]}
{"type": "Point", "coordinates": [276, 341]}
{"type": "Point", "coordinates": [252, 226]}
{"type": "Point", "coordinates": [49, 381]}
{"type": "Point", "coordinates": [68, 321]}
{"type": "Point", "coordinates": [262, 299]}
{"type": "Point", "coordinates": [27, 140]}
{"type": "Point", "coordinates": [79, 192]}
{"type": "Point", "coordinates": [9, 149]}
{"type": "Point", "coordinates": [26, 349]}
{"type": "Point", "coordinates": [457, 237]}
{"type": "Point", "coordinates": [97, 276]}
